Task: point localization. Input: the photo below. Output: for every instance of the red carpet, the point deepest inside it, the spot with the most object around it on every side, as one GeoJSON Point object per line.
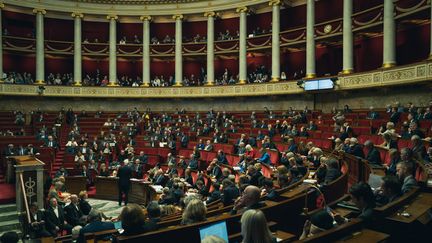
{"type": "Point", "coordinates": [7, 193]}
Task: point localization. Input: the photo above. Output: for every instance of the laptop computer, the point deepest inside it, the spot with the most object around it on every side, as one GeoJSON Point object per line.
{"type": "Point", "coordinates": [218, 229]}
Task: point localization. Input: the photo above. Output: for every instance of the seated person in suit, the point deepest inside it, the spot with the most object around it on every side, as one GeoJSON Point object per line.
{"type": "Point", "coordinates": [373, 155]}
{"type": "Point", "coordinates": [250, 199]}
{"type": "Point", "coordinates": [390, 190]}
{"type": "Point", "coordinates": [394, 160]}
{"type": "Point", "coordinates": [94, 225]}
{"type": "Point", "coordinates": [55, 219]}
{"type": "Point", "coordinates": [215, 194]}
{"type": "Point", "coordinates": [154, 213]}
{"type": "Point", "coordinates": [193, 162]}
{"type": "Point", "coordinates": [319, 222]}
{"type": "Point", "coordinates": [355, 148]}
{"type": "Point", "coordinates": [73, 213]}
{"type": "Point", "coordinates": [268, 191]}
{"type": "Point", "coordinates": [255, 176]}
{"type": "Point", "coordinates": [404, 171]}
{"type": "Point", "coordinates": [208, 146]}
{"type": "Point", "coordinates": [83, 204]}
{"type": "Point", "coordinates": [37, 225]}
{"type": "Point", "coordinates": [214, 170]}
{"type": "Point", "coordinates": [364, 199]}
{"type": "Point", "coordinates": [221, 157]}
{"type": "Point", "coordinates": [419, 150]}
{"type": "Point", "coordinates": [230, 192]}
{"type": "Point", "coordinates": [333, 171]}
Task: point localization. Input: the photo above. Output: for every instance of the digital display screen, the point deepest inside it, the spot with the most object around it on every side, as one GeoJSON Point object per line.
{"type": "Point", "coordinates": [219, 229]}
{"type": "Point", "coordinates": [318, 84]}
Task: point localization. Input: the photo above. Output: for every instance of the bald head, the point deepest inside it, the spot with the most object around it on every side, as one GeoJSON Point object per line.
{"type": "Point", "coordinates": [251, 195]}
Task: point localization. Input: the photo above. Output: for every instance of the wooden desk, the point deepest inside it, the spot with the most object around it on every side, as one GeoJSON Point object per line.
{"type": "Point", "coordinates": [365, 235]}
{"type": "Point", "coordinates": [140, 192]}
{"type": "Point", "coordinates": [417, 208]}
{"type": "Point", "coordinates": [283, 236]}
{"type": "Point", "coordinates": [295, 191]}
{"type": "Point", "coordinates": [75, 184]}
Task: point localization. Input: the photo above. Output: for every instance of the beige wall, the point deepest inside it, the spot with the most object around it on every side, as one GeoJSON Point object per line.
{"type": "Point", "coordinates": [378, 97]}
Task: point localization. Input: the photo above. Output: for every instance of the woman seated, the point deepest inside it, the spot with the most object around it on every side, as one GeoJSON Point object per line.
{"type": "Point", "coordinates": [133, 219]}
{"type": "Point", "coordinates": [194, 212]}
{"type": "Point", "coordinates": [254, 227]}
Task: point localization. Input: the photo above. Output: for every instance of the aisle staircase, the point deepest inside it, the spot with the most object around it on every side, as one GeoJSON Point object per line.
{"type": "Point", "coordinates": [9, 219]}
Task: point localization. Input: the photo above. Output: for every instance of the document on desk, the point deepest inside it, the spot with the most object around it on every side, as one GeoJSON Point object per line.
{"type": "Point", "coordinates": [157, 188]}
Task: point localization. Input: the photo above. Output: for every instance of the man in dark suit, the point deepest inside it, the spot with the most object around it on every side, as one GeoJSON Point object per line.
{"type": "Point", "coordinates": [143, 158]}
{"type": "Point", "coordinates": [373, 156]}
{"type": "Point", "coordinates": [418, 149]}
{"type": "Point", "coordinates": [215, 194]}
{"type": "Point", "coordinates": [230, 192]}
{"type": "Point", "coordinates": [154, 213]}
{"type": "Point", "coordinates": [51, 143]}
{"type": "Point", "coordinates": [404, 171]}
{"type": "Point", "coordinates": [124, 175]}
{"type": "Point", "coordinates": [184, 140]}
{"type": "Point", "coordinates": [55, 220]}
{"type": "Point", "coordinates": [355, 148]}
{"type": "Point", "coordinates": [193, 163]}
{"type": "Point", "coordinates": [333, 172]}
{"type": "Point", "coordinates": [37, 226]}
{"type": "Point", "coordinates": [73, 213]}
{"type": "Point", "coordinates": [95, 224]}
{"type": "Point", "coordinates": [214, 170]}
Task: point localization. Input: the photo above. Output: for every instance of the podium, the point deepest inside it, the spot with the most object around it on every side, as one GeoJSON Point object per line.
{"type": "Point", "coordinates": [29, 181]}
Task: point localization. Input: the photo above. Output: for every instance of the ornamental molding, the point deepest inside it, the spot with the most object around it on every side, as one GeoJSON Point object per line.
{"type": "Point", "coordinates": [403, 75]}
{"type": "Point", "coordinates": [168, 8]}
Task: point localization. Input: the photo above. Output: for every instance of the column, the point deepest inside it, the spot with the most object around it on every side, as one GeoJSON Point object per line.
{"type": "Point", "coordinates": [146, 50]}
{"type": "Point", "coordinates": [389, 54]}
{"type": "Point", "coordinates": [40, 46]}
{"type": "Point", "coordinates": [242, 45]}
{"type": "Point", "coordinates": [310, 39]}
{"type": "Point", "coordinates": [1, 44]}
{"type": "Point", "coordinates": [430, 39]}
{"type": "Point", "coordinates": [178, 50]}
{"type": "Point", "coordinates": [275, 76]}
{"type": "Point", "coordinates": [77, 48]}
{"type": "Point", "coordinates": [348, 66]}
{"type": "Point", "coordinates": [40, 189]}
{"type": "Point", "coordinates": [210, 47]}
{"type": "Point", "coordinates": [112, 50]}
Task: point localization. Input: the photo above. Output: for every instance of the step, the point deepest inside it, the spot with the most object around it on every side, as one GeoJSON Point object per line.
{"type": "Point", "coordinates": [9, 225]}
{"type": "Point", "coordinates": [18, 231]}
{"type": "Point", "coordinates": [5, 208]}
{"type": "Point", "coordinates": [7, 216]}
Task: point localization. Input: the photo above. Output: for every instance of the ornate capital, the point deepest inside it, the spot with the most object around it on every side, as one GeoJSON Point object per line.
{"type": "Point", "coordinates": [39, 10]}
{"type": "Point", "coordinates": [77, 15]}
{"type": "Point", "coordinates": [2, 5]}
{"type": "Point", "coordinates": [242, 9]}
{"type": "Point", "coordinates": [146, 17]}
{"type": "Point", "coordinates": [178, 17]}
{"type": "Point", "coordinates": [112, 17]}
{"type": "Point", "coordinates": [210, 14]}
{"type": "Point", "coordinates": [275, 2]}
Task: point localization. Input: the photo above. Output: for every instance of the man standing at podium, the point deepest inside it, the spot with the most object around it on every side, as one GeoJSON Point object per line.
{"type": "Point", "coordinates": [124, 174]}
